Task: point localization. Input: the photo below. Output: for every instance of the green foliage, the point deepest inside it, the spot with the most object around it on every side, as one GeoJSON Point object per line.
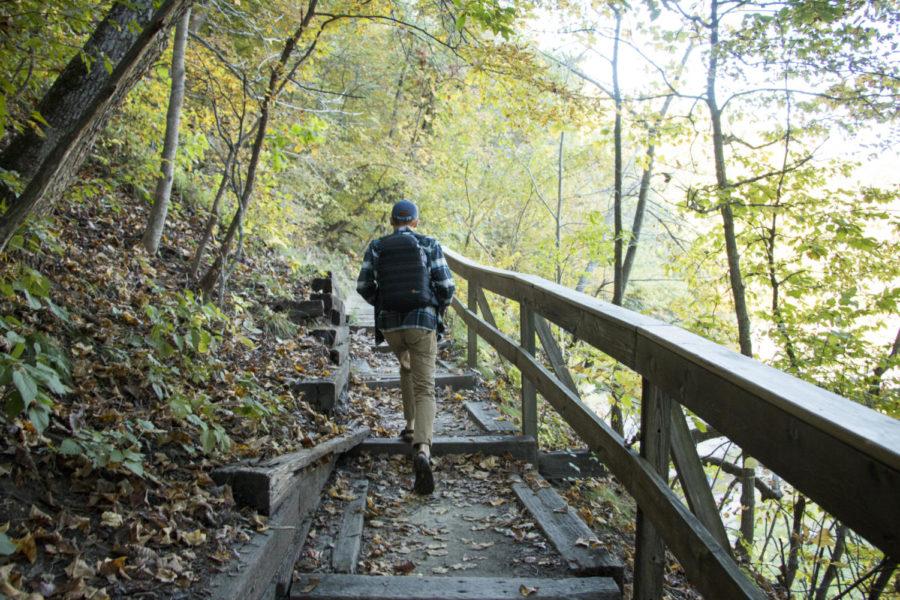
{"type": "Point", "coordinates": [32, 366]}
{"type": "Point", "coordinates": [110, 448]}
{"type": "Point", "coordinates": [197, 410]}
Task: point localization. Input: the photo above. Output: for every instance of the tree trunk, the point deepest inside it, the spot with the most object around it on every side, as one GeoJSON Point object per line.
{"type": "Point", "coordinates": [70, 149]}
{"type": "Point", "coordinates": [724, 194]}
{"type": "Point", "coordinates": [837, 553]}
{"type": "Point", "coordinates": [157, 220]}
{"type": "Point", "coordinates": [724, 198]}
{"type": "Point", "coordinates": [275, 84]}
{"type": "Point", "coordinates": [559, 203]}
{"type": "Point", "coordinates": [884, 577]}
{"type": "Point", "coordinates": [618, 283]}
{"type": "Point", "coordinates": [789, 570]}
{"type": "Point", "coordinates": [76, 87]}
{"type": "Point", "coordinates": [213, 216]}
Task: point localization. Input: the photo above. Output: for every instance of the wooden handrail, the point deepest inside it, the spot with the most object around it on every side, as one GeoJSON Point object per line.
{"type": "Point", "coordinates": [844, 456]}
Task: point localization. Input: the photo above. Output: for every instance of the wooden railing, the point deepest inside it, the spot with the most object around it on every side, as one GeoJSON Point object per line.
{"type": "Point", "coordinates": [844, 456]}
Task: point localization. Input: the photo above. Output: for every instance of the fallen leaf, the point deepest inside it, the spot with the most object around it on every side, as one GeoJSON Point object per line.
{"type": "Point", "coordinates": [111, 519]}
{"type": "Point", "coordinates": [405, 567]}
{"type": "Point", "coordinates": [525, 590]}
{"type": "Point", "coordinates": [27, 546]}
{"type": "Point", "coordinates": [193, 538]}
{"type": "Point", "coordinates": [79, 569]}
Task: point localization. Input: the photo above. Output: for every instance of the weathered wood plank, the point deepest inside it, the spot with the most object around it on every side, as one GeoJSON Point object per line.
{"type": "Point", "coordinates": [709, 567]}
{"type": "Point", "coordinates": [269, 557]}
{"type": "Point", "coordinates": [370, 587]}
{"type": "Point", "coordinates": [265, 486]}
{"type": "Point", "coordinates": [455, 381]}
{"type": "Point", "coordinates": [488, 418]}
{"type": "Point", "coordinates": [323, 393]}
{"type": "Point", "coordinates": [346, 548]}
{"type": "Point", "coordinates": [332, 336]}
{"type": "Point", "coordinates": [472, 337]}
{"type": "Point", "coordinates": [529, 394]}
{"type": "Point", "coordinates": [843, 455]}
{"type": "Point", "coordinates": [323, 285]}
{"type": "Point", "coordinates": [299, 310]}
{"type": "Point", "coordinates": [521, 447]}
{"type": "Point", "coordinates": [805, 434]}
{"type": "Point", "coordinates": [554, 353]}
{"type": "Point", "coordinates": [575, 464]}
{"type": "Point", "coordinates": [571, 537]}
{"type": "Point", "coordinates": [485, 308]}
{"type": "Point", "coordinates": [650, 550]}
{"type": "Point", "coordinates": [693, 477]}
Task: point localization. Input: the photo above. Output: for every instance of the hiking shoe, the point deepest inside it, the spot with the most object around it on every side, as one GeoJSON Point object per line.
{"type": "Point", "coordinates": [407, 436]}
{"type": "Point", "coordinates": [424, 477]}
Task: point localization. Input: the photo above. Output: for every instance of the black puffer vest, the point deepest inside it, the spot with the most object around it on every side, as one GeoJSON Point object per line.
{"type": "Point", "coordinates": [403, 274]}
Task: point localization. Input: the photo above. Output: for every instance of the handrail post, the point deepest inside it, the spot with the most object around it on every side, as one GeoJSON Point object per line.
{"type": "Point", "coordinates": [650, 550]}
{"type": "Point", "coordinates": [529, 395]}
{"type": "Point", "coordinates": [472, 345]}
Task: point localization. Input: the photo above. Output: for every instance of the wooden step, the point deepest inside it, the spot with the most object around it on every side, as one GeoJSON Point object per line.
{"type": "Point", "coordinates": [566, 464]}
{"type": "Point", "coordinates": [265, 563]}
{"type": "Point", "coordinates": [324, 393]}
{"type": "Point", "coordinates": [488, 418]}
{"type": "Point", "coordinates": [267, 485]}
{"type": "Point", "coordinates": [442, 379]}
{"type": "Point", "coordinates": [349, 540]}
{"type": "Point", "coordinates": [522, 447]}
{"type": "Point", "coordinates": [571, 536]}
{"type": "Point", "coordinates": [356, 587]}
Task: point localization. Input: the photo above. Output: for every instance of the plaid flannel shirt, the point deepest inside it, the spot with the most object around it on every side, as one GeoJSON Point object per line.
{"type": "Point", "coordinates": [420, 318]}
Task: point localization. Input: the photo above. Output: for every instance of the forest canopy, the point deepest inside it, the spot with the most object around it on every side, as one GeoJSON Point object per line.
{"type": "Point", "coordinates": [729, 166]}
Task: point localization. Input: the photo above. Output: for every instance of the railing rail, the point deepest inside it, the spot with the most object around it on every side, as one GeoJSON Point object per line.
{"type": "Point", "coordinates": [844, 456]}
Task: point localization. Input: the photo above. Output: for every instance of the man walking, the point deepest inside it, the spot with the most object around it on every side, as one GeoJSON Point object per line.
{"type": "Point", "coordinates": [405, 277]}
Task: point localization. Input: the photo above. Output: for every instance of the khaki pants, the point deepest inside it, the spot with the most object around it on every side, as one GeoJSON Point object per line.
{"type": "Point", "coordinates": [416, 349]}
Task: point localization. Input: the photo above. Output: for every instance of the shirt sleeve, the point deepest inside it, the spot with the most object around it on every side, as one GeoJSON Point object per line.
{"type": "Point", "coordinates": [365, 282]}
{"type": "Point", "coordinates": [441, 277]}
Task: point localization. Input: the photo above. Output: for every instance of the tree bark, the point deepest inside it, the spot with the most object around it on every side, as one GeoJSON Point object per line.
{"type": "Point", "coordinates": [884, 577]}
{"type": "Point", "coordinates": [71, 148]}
{"type": "Point", "coordinates": [559, 203]}
{"type": "Point", "coordinates": [789, 570]}
{"type": "Point", "coordinates": [723, 188]}
{"type": "Point", "coordinates": [76, 87]}
{"type": "Point", "coordinates": [208, 282]}
{"type": "Point", "coordinates": [618, 283]}
{"type": "Point", "coordinates": [837, 553]}
{"type": "Point", "coordinates": [644, 188]}
{"type": "Point", "coordinates": [157, 220]}
{"type": "Point", "coordinates": [213, 215]}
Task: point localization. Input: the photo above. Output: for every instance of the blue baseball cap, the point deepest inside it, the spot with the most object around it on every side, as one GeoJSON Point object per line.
{"type": "Point", "coordinates": [404, 212]}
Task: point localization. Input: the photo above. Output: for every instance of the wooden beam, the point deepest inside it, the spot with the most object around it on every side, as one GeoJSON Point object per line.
{"type": "Point", "coordinates": [472, 345]}
{"type": "Point", "coordinates": [570, 464]}
{"type": "Point", "coordinates": [529, 395]}
{"type": "Point", "coordinates": [488, 418]}
{"type": "Point", "coordinates": [268, 558]}
{"type": "Point", "coordinates": [693, 477]}
{"type": "Point", "coordinates": [455, 381]}
{"type": "Point", "coordinates": [345, 554]}
{"type": "Point", "coordinates": [841, 454]}
{"type": "Point", "coordinates": [710, 568]}
{"type": "Point", "coordinates": [650, 550]}
{"type": "Point", "coordinates": [325, 586]}
{"type": "Point", "coordinates": [485, 308]}
{"type": "Point", "coordinates": [265, 486]}
{"type": "Point", "coordinates": [554, 353]}
{"type": "Point", "coordinates": [571, 536]}
{"type": "Point", "coordinates": [521, 447]}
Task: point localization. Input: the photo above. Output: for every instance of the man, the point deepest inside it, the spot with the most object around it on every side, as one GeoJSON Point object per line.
{"type": "Point", "coordinates": [405, 277]}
